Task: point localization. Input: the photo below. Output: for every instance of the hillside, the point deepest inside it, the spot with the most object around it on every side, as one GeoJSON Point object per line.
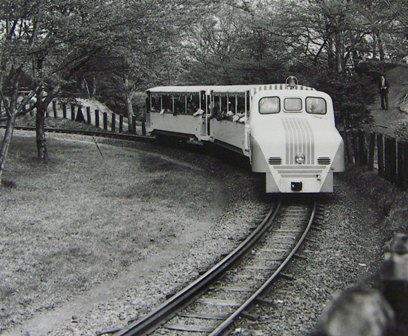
{"type": "Point", "coordinates": [395, 119]}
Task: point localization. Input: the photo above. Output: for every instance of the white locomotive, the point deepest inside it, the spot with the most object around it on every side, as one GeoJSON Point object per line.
{"type": "Point", "coordinates": [286, 130]}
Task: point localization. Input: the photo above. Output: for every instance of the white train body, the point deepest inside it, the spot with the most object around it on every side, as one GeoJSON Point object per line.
{"type": "Point", "coordinates": [287, 131]}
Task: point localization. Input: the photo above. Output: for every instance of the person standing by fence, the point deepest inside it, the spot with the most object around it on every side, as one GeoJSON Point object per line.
{"type": "Point", "coordinates": [384, 86]}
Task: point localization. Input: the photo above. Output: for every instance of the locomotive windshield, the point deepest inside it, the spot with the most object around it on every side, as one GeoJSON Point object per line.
{"type": "Point", "coordinates": [316, 105]}
{"type": "Point", "coordinates": [269, 105]}
{"type": "Point", "coordinates": [293, 104]}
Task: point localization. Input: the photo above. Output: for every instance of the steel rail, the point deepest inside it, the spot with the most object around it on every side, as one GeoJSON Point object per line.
{"type": "Point", "coordinates": [105, 134]}
{"type": "Point", "coordinates": [227, 322]}
{"type": "Point", "coordinates": [154, 318]}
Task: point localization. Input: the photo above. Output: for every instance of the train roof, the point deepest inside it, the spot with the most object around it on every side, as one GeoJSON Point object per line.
{"type": "Point", "coordinates": [225, 89]}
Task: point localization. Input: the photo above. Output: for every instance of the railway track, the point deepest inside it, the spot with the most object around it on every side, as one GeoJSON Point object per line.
{"type": "Point", "coordinates": [105, 134]}
{"type": "Point", "coordinates": [209, 305]}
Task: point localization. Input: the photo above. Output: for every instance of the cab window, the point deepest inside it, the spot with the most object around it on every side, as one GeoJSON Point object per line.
{"type": "Point", "coordinates": [292, 104]}
{"type": "Point", "coordinates": [316, 105]}
{"type": "Point", "coordinates": [269, 105]}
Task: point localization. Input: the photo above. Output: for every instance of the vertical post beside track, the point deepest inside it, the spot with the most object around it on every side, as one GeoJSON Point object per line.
{"type": "Point", "coordinates": [97, 118]}
{"type": "Point", "coordinates": [64, 110]}
{"type": "Point", "coordinates": [88, 115]}
{"type": "Point", "coordinates": [380, 156]}
{"type": "Point", "coordinates": [402, 169]}
{"type": "Point", "coordinates": [105, 121]}
{"type": "Point", "coordinates": [390, 159]}
{"type": "Point", "coordinates": [72, 112]}
{"type": "Point", "coordinates": [371, 151]}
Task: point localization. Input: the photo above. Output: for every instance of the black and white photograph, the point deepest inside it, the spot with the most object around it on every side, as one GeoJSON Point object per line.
{"type": "Point", "coordinates": [203, 168]}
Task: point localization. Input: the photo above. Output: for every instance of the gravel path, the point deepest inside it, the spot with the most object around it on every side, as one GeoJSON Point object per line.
{"type": "Point", "coordinates": [346, 251]}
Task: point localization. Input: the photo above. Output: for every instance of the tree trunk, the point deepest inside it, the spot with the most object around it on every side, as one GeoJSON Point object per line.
{"type": "Point", "coordinates": [339, 40]}
{"type": "Point", "coordinates": [7, 141]}
{"type": "Point", "coordinates": [330, 46]}
{"type": "Point", "coordinates": [380, 46]}
{"type": "Point", "coordinates": [93, 95]}
{"type": "Point", "coordinates": [374, 36]}
{"type": "Point", "coordinates": [42, 152]}
{"type": "Point", "coordinates": [129, 92]}
{"type": "Point", "coordinates": [11, 120]}
{"type": "Point", "coordinates": [129, 112]}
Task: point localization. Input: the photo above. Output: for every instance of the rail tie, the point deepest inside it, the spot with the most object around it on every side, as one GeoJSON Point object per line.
{"type": "Point", "coordinates": [211, 303]}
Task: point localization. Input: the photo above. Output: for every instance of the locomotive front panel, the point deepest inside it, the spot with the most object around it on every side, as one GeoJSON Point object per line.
{"type": "Point", "coordinates": [298, 151]}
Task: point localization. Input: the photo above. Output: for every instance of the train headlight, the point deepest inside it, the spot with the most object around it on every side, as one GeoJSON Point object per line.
{"type": "Point", "coordinates": [300, 158]}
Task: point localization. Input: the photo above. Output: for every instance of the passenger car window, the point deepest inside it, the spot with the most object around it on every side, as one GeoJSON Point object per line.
{"type": "Point", "coordinates": [292, 104]}
{"type": "Point", "coordinates": [155, 104]}
{"type": "Point", "coordinates": [268, 105]}
{"type": "Point", "coordinates": [316, 105]}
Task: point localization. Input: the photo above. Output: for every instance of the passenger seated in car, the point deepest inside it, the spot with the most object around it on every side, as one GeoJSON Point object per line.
{"type": "Point", "coordinates": [165, 110]}
{"type": "Point", "coordinates": [238, 116]}
{"type": "Point", "coordinates": [219, 115]}
{"type": "Point", "coordinates": [229, 115]}
{"type": "Point", "coordinates": [243, 119]}
{"type": "Point", "coordinates": [198, 113]}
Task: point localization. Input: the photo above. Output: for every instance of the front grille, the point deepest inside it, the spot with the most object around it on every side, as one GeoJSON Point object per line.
{"type": "Point", "coordinates": [323, 160]}
{"type": "Point", "coordinates": [299, 139]}
{"type": "Point", "coordinates": [299, 171]}
{"type": "Point", "coordinates": [275, 160]}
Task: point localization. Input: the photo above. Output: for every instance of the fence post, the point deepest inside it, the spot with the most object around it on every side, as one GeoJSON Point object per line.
{"type": "Point", "coordinates": [390, 159]}
{"type": "Point", "coordinates": [72, 112]}
{"type": "Point", "coordinates": [80, 116]}
{"type": "Point", "coordinates": [347, 146]}
{"type": "Point", "coordinates": [402, 169]}
{"type": "Point", "coordinates": [144, 127]}
{"type": "Point", "coordinates": [54, 108]}
{"type": "Point", "coordinates": [380, 155]}
{"type": "Point", "coordinates": [64, 110]}
{"type": "Point", "coordinates": [120, 123]}
{"type": "Point", "coordinates": [105, 121]}
{"type": "Point", "coordinates": [88, 115]}
{"type": "Point", "coordinates": [355, 147]}
{"type": "Point", "coordinates": [362, 148]}
{"type": "Point", "coordinates": [97, 118]}
{"type": "Point", "coordinates": [371, 151]}
{"type": "Point", "coordinates": [134, 125]}
{"type": "Point", "coordinates": [113, 122]}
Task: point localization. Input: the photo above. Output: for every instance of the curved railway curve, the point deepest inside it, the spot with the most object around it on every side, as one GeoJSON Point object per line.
{"type": "Point", "coordinates": [106, 134]}
{"type": "Point", "coordinates": [210, 304]}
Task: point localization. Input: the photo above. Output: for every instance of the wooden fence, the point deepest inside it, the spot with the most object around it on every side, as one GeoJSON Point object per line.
{"type": "Point", "coordinates": [389, 155]}
{"type": "Point", "coordinates": [103, 120]}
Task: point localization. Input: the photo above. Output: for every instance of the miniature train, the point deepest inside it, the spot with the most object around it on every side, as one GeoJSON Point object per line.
{"type": "Point", "coordinates": [287, 131]}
